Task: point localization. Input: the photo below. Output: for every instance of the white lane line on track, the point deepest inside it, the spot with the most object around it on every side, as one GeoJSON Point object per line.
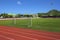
{"type": "Point", "coordinates": [19, 35]}
{"type": "Point", "coordinates": [35, 34]}
{"type": "Point", "coordinates": [6, 37]}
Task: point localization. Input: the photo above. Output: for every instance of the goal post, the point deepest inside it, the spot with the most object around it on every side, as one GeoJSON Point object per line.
{"type": "Point", "coordinates": [14, 18]}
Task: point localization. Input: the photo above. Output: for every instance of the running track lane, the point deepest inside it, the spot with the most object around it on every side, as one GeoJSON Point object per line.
{"type": "Point", "coordinates": [11, 33]}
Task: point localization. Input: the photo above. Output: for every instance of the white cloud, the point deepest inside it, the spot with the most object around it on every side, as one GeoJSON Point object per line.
{"type": "Point", "coordinates": [19, 3]}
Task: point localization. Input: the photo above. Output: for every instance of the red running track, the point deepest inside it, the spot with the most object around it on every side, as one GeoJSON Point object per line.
{"type": "Point", "coordinates": [12, 33]}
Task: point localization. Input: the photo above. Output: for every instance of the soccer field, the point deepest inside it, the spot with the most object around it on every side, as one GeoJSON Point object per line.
{"type": "Point", "coordinates": [48, 24]}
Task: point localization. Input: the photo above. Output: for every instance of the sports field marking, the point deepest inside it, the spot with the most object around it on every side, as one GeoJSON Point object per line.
{"type": "Point", "coordinates": [34, 34]}
{"type": "Point", "coordinates": [37, 33]}
{"type": "Point", "coordinates": [30, 31]}
{"type": "Point", "coordinates": [18, 35]}
{"type": "Point", "coordinates": [6, 37]}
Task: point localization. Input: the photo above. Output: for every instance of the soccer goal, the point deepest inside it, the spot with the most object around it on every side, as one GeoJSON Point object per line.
{"type": "Point", "coordinates": [19, 22]}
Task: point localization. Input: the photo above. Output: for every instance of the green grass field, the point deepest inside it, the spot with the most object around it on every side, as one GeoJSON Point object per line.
{"type": "Point", "coordinates": [48, 24]}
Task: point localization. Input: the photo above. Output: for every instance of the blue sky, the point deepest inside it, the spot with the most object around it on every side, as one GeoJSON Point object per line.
{"type": "Point", "coordinates": [28, 6]}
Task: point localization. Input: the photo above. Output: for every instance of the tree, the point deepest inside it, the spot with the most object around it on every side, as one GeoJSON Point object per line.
{"type": "Point", "coordinates": [18, 16]}
{"type": "Point", "coordinates": [10, 16]}
{"type": "Point", "coordinates": [5, 15]}
{"type": "Point", "coordinates": [26, 15]}
{"type": "Point", "coordinates": [42, 14]}
{"type": "Point", "coordinates": [39, 14]}
{"type": "Point", "coordinates": [53, 13]}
